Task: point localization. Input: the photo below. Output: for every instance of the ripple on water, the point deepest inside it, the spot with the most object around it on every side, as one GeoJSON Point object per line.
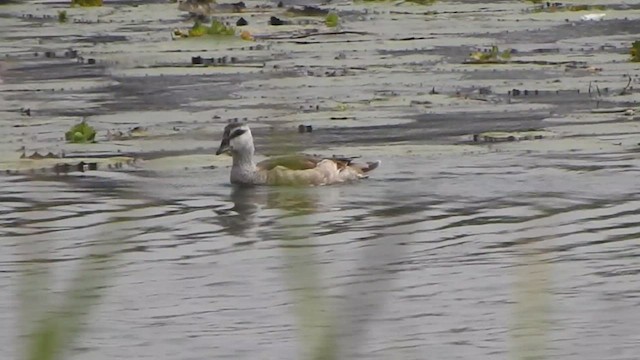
{"type": "Point", "coordinates": [433, 264]}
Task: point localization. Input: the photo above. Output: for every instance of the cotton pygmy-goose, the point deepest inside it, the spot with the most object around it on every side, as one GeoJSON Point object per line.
{"type": "Point", "coordinates": [298, 169]}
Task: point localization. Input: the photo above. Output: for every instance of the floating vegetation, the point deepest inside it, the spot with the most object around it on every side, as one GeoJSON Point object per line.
{"type": "Point", "coordinates": [422, 2]}
{"type": "Point", "coordinates": [307, 11]}
{"type": "Point", "coordinates": [489, 57]}
{"type": "Point", "coordinates": [62, 16]}
{"type": "Point", "coordinates": [245, 35]}
{"type": "Point", "coordinates": [506, 136]}
{"type": "Point", "coordinates": [419, 2]}
{"type": "Point", "coordinates": [635, 51]}
{"type": "Point", "coordinates": [86, 3]}
{"type": "Point", "coordinates": [216, 28]}
{"type": "Point", "coordinates": [332, 20]}
{"type": "Point", "coordinates": [557, 7]}
{"type": "Point", "coordinates": [197, 29]}
{"type": "Point", "coordinates": [81, 133]}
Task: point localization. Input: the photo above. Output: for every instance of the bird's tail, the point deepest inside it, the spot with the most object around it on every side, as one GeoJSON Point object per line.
{"type": "Point", "coordinates": [368, 167]}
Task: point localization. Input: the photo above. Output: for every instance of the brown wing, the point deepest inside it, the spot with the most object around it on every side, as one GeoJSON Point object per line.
{"type": "Point", "coordinates": [293, 162]}
{"type": "Point", "coordinates": [302, 161]}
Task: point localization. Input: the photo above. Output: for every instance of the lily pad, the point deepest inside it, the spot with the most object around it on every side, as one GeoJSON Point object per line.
{"type": "Point", "coordinates": [81, 133]}
{"type": "Point", "coordinates": [332, 20]}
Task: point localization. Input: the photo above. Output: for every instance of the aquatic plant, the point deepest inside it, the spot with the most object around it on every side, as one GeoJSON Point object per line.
{"type": "Point", "coordinates": [62, 16]}
{"type": "Point", "coordinates": [86, 3]}
{"type": "Point", "coordinates": [332, 20]}
{"type": "Point", "coordinates": [586, 7]}
{"type": "Point", "coordinates": [557, 7]}
{"type": "Point", "coordinates": [492, 56]}
{"type": "Point", "coordinates": [81, 133]}
{"type": "Point", "coordinates": [419, 2]}
{"type": "Point", "coordinates": [197, 29]}
{"type": "Point", "coordinates": [216, 28]}
{"type": "Point", "coordinates": [635, 51]}
{"type": "Point", "coordinates": [422, 2]}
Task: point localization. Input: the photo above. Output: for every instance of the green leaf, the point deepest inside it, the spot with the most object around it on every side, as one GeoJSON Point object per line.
{"type": "Point", "coordinates": [332, 20]}
{"type": "Point", "coordinates": [80, 133]}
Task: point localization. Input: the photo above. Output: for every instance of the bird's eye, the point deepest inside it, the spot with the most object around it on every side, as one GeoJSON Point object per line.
{"type": "Point", "coordinates": [237, 133]}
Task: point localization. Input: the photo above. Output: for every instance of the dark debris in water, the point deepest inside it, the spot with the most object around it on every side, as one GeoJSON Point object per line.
{"type": "Point", "coordinates": [274, 21]}
{"type": "Point", "coordinates": [305, 128]}
{"type": "Point", "coordinates": [307, 10]}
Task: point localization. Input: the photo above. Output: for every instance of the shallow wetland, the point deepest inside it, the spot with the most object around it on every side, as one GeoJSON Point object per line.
{"type": "Point", "coordinates": [503, 222]}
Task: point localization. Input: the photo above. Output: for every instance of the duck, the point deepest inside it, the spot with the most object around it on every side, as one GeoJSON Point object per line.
{"type": "Point", "coordinates": [286, 170]}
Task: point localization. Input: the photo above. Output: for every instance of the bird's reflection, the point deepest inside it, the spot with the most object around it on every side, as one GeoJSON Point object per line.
{"type": "Point", "coordinates": [249, 201]}
{"type": "Point", "coordinates": [242, 215]}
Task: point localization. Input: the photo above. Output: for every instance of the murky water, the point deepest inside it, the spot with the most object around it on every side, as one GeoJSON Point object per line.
{"type": "Point", "coordinates": [451, 250]}
{"type": "Point", "coordinates": [454, 256]}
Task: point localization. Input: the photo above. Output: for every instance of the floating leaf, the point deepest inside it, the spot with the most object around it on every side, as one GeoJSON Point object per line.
{"type": "Point", "coordinates": [332, 20]}
{"type": "Point", "coordinates": [80, 133]}
{"type": "Point", "coordinates": [86, 3]}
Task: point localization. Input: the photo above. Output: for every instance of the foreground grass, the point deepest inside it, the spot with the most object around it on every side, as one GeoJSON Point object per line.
{"type": "Point", "coordinates": [53, 327]}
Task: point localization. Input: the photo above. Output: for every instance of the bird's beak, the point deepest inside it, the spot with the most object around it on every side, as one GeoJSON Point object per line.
{"type": "Point", "coordinates": [224, 146]}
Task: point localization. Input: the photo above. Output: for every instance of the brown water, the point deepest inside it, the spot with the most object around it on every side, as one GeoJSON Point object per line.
{"type": "Point", "coordinates": [523, 250]}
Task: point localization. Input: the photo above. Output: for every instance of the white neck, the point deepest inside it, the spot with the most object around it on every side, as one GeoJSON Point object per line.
{"type": "Point", "coordinates": [243, 158]}
{"type": "Point", "coordinates": [243, 169]}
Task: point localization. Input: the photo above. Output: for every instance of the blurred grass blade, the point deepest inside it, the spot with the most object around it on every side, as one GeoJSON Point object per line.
{"type": "Point", "coordinates": [55, 327]}
{"type": "Point", "coordinates": [312, 311]}
{"type": "Point", "coordinates": [530, 320]}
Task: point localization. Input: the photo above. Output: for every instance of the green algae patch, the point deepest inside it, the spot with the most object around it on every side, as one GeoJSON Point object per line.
{"type": "Point", "coordinates": [332, 20]}
{"type": "Point", "coordinates": [86, 3]}
{"type": "Point", "coordinates": [217, 28]}
{"type": "Point", "coordinates": [635, 51]}
{"type": "Point", "coordinates": [543, 6]}
{"type": "Point", "coordinates": [494, 55]}
{"type": "Point", "coordinates": [62, 16]}
{"type": "Point", "coordinates": [81, 133]}
{"type": "Point", "coordinates": [422, 2]}
{"type": "Point", "coordinates": [198, 29]}
{"type": "Point", "coordinates": [418, 2]}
